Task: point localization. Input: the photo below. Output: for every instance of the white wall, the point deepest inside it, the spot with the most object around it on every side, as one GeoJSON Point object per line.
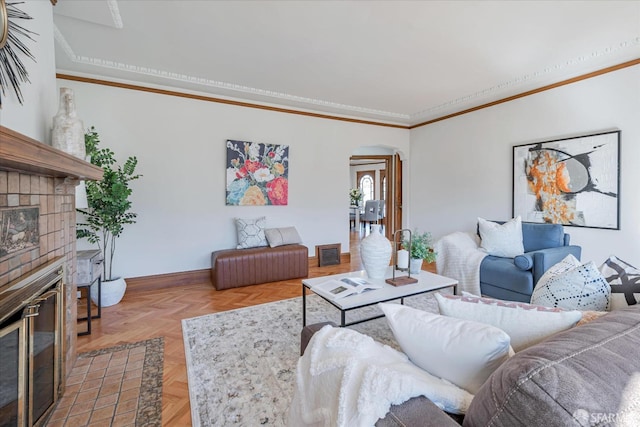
{"type": "Point", "coordinates": [180, 201]}
{"type": "Point", "coordinates": [40, 97]}
{"type": "Point", "coordinates": [461, 168]}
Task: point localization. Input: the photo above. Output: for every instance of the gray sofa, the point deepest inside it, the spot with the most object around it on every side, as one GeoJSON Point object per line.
{"type": "Point", "coordinates": [514, 279]}
{"type": "Point", "coordinates": [579, 377]}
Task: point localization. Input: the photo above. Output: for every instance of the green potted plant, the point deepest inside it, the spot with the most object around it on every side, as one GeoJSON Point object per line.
{"type": "Point", "coordinates": [421, 250]}
{"type": "Point", "coordinates": [109, 210]}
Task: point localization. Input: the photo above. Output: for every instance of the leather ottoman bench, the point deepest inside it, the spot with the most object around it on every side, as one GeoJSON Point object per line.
{"type": "Point", "coordinates": [233, 268]}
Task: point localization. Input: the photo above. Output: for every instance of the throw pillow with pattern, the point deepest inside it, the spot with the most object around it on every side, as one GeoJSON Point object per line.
{"type": "Point", "coordinates": [579, 288]}
{"type": "Point", "coordinates": [624, 280]}
{"type": "Point", "coordinates": [251, 232]}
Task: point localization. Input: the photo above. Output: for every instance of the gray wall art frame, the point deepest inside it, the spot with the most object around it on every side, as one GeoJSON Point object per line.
{"type": "Point", "coordinates": [571, 181]}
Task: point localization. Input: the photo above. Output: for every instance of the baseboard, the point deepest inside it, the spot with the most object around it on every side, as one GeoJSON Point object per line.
{"type": "Point", "coordinates": [345, 258]}
{"type": "Point", "coordinates": [183, 278]}
{"type": "Point", "coordinates": [169, 280]}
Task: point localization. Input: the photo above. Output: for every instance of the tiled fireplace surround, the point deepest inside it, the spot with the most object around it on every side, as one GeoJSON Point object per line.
{"type": "Point", "coordinates": [33, 174]}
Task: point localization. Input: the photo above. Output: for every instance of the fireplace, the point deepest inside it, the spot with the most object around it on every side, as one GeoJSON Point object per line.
{"type": "Point", "coordinates": [37, 180]}
{"type": "Point", "coordinates": [31, 346]}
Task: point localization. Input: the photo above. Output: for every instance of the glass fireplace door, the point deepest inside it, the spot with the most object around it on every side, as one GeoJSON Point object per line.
{"type": "Point", "coordinates": [12, 356]}
{"type": "Point", "coordinates": [44, 357]}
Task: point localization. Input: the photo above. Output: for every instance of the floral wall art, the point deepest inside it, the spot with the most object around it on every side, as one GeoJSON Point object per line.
{"type": "Point", "coordinates": [257, 174]}
{"type": "Point", "coordinates": [573, 181]}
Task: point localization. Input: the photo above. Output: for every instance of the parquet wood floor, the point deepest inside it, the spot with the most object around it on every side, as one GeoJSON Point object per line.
{"type": "Point", "coordinates": [147, 314]}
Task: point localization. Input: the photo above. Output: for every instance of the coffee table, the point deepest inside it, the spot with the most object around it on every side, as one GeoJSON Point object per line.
{"type": "Point", "coordinates": [427, 282]}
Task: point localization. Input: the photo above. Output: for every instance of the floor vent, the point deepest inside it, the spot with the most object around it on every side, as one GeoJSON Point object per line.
{"type": "Point", "coordinates": [328, 254]}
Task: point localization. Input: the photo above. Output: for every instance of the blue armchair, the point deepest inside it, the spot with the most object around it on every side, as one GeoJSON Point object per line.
{"type": "Point", "coordinates": [515, 278]}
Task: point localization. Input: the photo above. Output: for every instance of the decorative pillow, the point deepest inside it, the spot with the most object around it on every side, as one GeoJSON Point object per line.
{"type": "Point", "coordinates": [526, 324]}
{"type": "Point", "coordinates": [345, 378]}
{"type": "Point", "coordinates": [282, 236]}
{"type": "Point", "coordinates": [578, 288]}
{"type": "Point", "coordinates": [568, 263]}
{"type": "Point", "coordinates": [462, 352]}
{"type": "Point", "coordinates": [251, 232]}
{"type": "Point", "coordinates": [503, 240]}
{"type": "Point", "coordinates": [589, 316]}
{"type": "Point", "coordinates": [624, 280]}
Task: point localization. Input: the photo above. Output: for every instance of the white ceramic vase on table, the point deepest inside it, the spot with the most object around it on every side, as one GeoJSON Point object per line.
{"type": "Point", "coordinates": [375, 251]}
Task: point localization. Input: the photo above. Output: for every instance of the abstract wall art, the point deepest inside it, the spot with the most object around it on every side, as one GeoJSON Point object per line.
{"type": "Point", "coordinates": [257, 174]}
{"type": "Point", "coordinates": [572, 181]}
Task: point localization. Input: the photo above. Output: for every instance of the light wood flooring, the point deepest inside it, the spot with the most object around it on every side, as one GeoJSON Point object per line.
{"type": "Point", "coordinates": [147, 314]}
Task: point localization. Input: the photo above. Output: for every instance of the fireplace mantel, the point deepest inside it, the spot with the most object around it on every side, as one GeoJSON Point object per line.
{"type": "Point", "coordinates": [20, 153]}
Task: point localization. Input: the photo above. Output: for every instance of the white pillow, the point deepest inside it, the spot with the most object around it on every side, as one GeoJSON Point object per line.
{"type": "Point", "coordinates": [282, 236]}
{"type": "Point", "coordinates": [581, 287]}
{"type": "Point", "coordinates": [503, 240]}
{"type": "Point", "coordinates": [568, 263]}
{"type": "Point", "coordinates": [624, 280]}
{"type": "Point", "coordinates": [345, 378]}
{"type": "Point", "coordinates": [526, 324]}
{"type": "Point", "coordinates": [462, 352]}
{"type": "Point", "coordinates": [251, 232]}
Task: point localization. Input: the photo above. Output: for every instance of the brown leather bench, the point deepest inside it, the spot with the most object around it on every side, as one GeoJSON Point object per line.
{"type": "Point", "coordinates": [233, 268]}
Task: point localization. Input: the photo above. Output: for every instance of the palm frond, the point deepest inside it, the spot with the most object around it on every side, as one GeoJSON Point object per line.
{"type": "Point", "coordinates": [12, 70]}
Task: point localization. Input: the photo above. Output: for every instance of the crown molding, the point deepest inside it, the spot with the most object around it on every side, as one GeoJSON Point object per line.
{"type": "Point", "coordinates": [416, 118]}
{"type": "Point", "coordinates": [597, 73]}
{"type": "Point", "coordinates": [201, 81]}
{"type": "Point", "coordinates": [115, 14]}
{"type": "Point", "coordinates": [92, 80]}
{"type": "Point", "coordinates": [613, 68]}
{"type": "Point", "coordinates": [66, 47]}
{"type": "Point", "coordinates": [528, 78]}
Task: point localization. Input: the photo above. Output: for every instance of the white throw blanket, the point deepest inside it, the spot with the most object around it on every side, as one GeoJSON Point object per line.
{"type": "Point", "coordinates": [347, 379]}
{"type": "Point", "coordinates": [459, 257]}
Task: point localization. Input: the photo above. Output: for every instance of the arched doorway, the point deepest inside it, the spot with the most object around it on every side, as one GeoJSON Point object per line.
{"type": "Point", "coordinates": [379, 174]}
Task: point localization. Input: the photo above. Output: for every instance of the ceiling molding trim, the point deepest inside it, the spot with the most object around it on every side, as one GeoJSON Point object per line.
{"type": "Point", "coordinates": [528, 77]}
{"type": "Point", "coordinates": [533, 91]}
{"type": "Point", "coordinates": [224, 101]}
{"type": "Point", "coordinates": [115, 13]}
{"type": "Point", "coordinates": [218, 84]}
{"type": "Point", "coordinates": [347, 119]}
{"type": "Point", "coordinates": [57, 35]}
{"type": "Point", "coordinates": [388, 115]}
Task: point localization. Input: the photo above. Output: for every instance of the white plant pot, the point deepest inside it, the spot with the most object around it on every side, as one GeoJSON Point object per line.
{"type": "Point", "coordinates": [375, 250]}
{"type": "Point", "coordinates": [112, 292]}
{"type": "Point", "coordinates": [415, 265]}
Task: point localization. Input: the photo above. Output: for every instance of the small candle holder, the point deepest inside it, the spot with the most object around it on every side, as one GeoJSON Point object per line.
{"type": "Point", "coordinates": [400, 280]}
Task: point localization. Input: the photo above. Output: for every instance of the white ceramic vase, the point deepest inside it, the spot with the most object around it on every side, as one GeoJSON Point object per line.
{"type": "Point", "coordinates": [375, 250]}
{"type": "Point", "coordinates": [112, 292]}
{"type": "Point", "coordinates": [67, 133]}
{"type": "Point", "coordinates": [415, 265]}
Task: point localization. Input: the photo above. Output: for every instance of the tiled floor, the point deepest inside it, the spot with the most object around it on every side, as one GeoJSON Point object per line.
{"type": "Point", "coordinates": [102, 391]}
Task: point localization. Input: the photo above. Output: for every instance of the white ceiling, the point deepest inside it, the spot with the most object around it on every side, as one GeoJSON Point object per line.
{"type": "Point", "coordinates": [402, 62]}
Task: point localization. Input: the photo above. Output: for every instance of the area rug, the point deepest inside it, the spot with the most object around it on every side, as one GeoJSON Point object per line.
{"type": "Point", "coordinates": [125, 382]}
{"type": "Point", "coordinates": [241, 363]}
